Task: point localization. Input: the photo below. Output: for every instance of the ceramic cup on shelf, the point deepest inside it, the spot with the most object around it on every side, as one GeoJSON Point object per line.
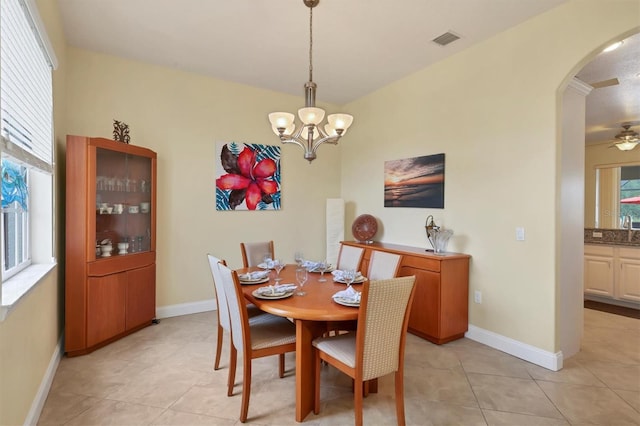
{"type": "Point", "coordinates": [122, 247]}
{"type": "Point", "coordinates": [106, 250]}
{"type": "Point", "coordinates": [134, 209]}
{"type": "Point", "coordinates": [145, 207]}
{"type": "Point", "coordinates": [118, 208]}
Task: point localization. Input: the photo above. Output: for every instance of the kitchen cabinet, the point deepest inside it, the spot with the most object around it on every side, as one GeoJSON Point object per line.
{"type": "Point", "coordinates": [109, 243]}
{"type": "Point", "coordinates": [440, 310]}
{"type": "Point", "coordinates": [612, 273]}
{"type": "Point", "coordinates": [598, 270]}
{"type": "Point", "coordinates": [629, 274]}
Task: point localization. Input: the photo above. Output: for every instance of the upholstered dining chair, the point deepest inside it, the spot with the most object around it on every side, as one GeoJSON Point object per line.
{"type": "Point", "coordinates": [263, 336]}
{"type": "Point", "coordinates": [383, 265]}
{"type": "Point", "coordinates": [377, 346]}
{"type": "Point", "coordinates": [253, 253]}
{"type": "Point", "coordinates": [222, 309]}
{"type": "Point", "coordinates": [349, 257]}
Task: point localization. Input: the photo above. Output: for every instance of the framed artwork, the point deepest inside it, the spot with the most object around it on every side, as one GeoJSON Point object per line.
{"type": "Point", "coordinates": [248, 176]}
{"type": "Point", "coordinates": [415, 182]}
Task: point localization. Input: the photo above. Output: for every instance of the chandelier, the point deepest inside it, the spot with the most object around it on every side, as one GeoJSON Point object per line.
{"type": "Point", "coordinates": [310, 135]}
{"type": "Point", "coordinates": [628, 139]}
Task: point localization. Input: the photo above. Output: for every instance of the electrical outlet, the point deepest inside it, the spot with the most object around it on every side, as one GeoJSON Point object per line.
{"type": "Point", "coordinates": [477, 296]}
{"type": "Point", "coordinates": [597, 234]}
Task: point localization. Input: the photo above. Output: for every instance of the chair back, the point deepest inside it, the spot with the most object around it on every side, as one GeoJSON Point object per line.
{"type": "Point", "coordinates": [383, 265]}
{"type": "Point", "coordinates": [349, 257]}
{"type": "Point", "coordinates": [221, 299]}
{"type": "Point", "coordinates": [238, 315]}
{"type": "Point", "coordinates": [253, 253]}
{"type": "Point", "coordinates": [382, 325]}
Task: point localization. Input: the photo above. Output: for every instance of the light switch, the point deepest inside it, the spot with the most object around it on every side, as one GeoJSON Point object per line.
{"type": "Point", "coordinates": [519, 234]}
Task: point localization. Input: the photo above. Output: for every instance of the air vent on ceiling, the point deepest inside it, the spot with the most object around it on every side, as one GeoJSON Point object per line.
{"type": "Point", "coordinates": [605, 83]}
{"type": "Point", "coordinates": [445, 38]}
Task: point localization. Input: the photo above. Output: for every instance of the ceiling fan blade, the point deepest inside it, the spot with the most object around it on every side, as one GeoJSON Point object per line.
{"type": "Point", "coordinates": [605, 83]}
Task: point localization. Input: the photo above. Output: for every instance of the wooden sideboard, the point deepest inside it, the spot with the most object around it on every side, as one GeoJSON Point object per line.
{"type": "Point", "coordinates": [440, 311]}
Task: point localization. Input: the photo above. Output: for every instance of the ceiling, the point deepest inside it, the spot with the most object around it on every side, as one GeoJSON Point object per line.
{"type": "Point", "coordinates": [359, 46]}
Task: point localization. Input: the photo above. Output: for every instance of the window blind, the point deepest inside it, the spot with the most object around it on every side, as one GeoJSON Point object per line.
{"type": "Point", "coordinates": [26, 100]}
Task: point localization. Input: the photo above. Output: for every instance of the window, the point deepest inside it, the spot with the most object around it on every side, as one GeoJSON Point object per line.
{"type": "Point", "coordinates": [629, 192]}
{"type": "Point", "coordinates": [26, 145]}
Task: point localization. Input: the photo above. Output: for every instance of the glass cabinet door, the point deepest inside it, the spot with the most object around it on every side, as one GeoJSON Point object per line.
{"type": "Point", "coordinates": [123, 203]}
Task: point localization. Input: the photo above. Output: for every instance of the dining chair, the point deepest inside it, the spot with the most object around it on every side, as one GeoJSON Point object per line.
{"type": "Point", "coordinates": [349, 257]}
{"type": "Point", "coordinates": [265, 335]}
{"type": "Point", "coordinates": [377, 346]}
{"type": "Point", "coordinates": [222, 309]}
{"type": "Point", "coordinates": [383, 265]}
{"type": "Point", "coordinates": [253, 253]}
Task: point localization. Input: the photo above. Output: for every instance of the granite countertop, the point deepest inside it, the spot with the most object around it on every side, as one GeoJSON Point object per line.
{"type": "Point", "coordinates": [612, 237]}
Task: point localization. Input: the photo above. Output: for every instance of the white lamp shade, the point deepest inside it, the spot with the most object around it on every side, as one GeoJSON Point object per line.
{"type": "Point", "coordinates": [331, 131]}
{"type": "Point", "coordinates": [305, 133]}
{"type": "Point", "coordinates": [288, 131]}
{"type": "Point", "coordinates": [281, 120]}
{"type": "Point", "coordinates": [311, 115]}
{"type": "Point", "coordinates": [626, 146]}
{"type": "Point", "coordinates": [340, 121]}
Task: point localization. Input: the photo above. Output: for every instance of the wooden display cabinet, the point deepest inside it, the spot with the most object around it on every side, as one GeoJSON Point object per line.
{"type": "Point", "coordinates": [110, 241]}
{"type": "Point", "coordinates": [440, 310]}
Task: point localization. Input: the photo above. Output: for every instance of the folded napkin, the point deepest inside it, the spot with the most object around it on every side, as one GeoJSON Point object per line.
{"type": "Point", "coordinates": [349, 294]}
{"type": "Point", "coordinates": [338, 275]}
{"type": "Point", "coordinates": [312, 266]}
{"type": "Point", "coordinates": [280, 288]}
{"type": "Point", "coordinates": [253, 276]}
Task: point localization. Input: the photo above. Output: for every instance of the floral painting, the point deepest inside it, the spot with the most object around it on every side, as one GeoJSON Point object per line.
{"type": "Point", "coordinates": [415, 182]}
{"type": "Point", "coordinates": [248, 176]}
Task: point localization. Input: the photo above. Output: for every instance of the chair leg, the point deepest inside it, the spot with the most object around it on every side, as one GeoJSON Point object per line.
{"type": "Point", "coordinates": [216, 365]}
{"type": "Point", "coordinates": [246, 387]}
{"type": "Point", "coordinates": [316, 391]}
{"type": "Point", "coordinates": [281, 366]}
{"type": "Point", "coordinates": [399, 380]}
{"type": "Point", "coordinates": [357, 401]}
{"type": "Point", "coordinates": [233, 358]}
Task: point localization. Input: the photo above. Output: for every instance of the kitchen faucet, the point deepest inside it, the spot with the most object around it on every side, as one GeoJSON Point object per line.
{"type": "Point", "coordinates": [627, 224]}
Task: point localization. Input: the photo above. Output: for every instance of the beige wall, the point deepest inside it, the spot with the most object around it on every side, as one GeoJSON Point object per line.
{"type": "Point", "coordinates": [30, 334]}
{"type": "Point", "coordinates": [601, 155]}
{"type": "Point", "coordinates": [493, 110]}
{"type": "Point", "coordinates": [181, 116]}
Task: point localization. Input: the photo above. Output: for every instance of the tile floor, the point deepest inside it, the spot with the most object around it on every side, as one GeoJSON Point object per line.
{"type": "Point", "coordinates": [163, 375]}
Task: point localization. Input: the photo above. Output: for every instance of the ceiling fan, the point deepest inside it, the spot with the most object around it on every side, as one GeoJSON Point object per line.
{"type": "Point", "coordinates": [627, 139]}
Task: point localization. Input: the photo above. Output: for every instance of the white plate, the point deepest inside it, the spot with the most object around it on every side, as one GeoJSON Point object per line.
{"type": "Point", "coordinates": [359, 280]}
{"type": "Point", "coordinates": [263, 266]}
{"type": "Point", "coordinates": [346, 302]}
{"type": "Point", "coordinates": [277, 295]}
{"type": "Point", "coordinates": [260, 281]}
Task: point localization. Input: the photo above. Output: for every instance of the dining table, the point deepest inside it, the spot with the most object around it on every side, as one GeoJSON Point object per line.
{"type": "Point", "coordinates": [311, 313]}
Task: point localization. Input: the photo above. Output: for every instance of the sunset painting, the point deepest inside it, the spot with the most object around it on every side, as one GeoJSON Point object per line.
{"type": "Point", "coordinates": [415, 182]}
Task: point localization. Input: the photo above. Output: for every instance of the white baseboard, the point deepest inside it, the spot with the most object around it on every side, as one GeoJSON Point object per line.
{"type": "Point", "coordinates": [186, 308]}
{"type": "Point", "coordinates": [43, 391]}
{"type": "Point", "coordinates": [549, 360]}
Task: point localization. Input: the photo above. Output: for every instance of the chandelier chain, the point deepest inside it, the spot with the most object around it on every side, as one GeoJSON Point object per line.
{"type": "Point", "coordinates": [311, 44]}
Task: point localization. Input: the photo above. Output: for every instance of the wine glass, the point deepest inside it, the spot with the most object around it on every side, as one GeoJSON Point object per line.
{"type": "Point", "coordinates": [301, 275]}
{"type": "Point", "coordinates": [322, 267]}
{"type": "Point", "coordinates": [299, 258]}
{"type": "Point", "coordinates": [349, 275]}
{"type": "Point", "coordinates": [278, 265]}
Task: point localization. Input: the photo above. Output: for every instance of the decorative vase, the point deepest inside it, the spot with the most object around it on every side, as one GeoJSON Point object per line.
{"type": "Point", "coordinates": [440, 239]}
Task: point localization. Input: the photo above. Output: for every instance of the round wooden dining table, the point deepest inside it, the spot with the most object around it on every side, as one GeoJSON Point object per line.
{"type": "Point", "coordinates": [311, 313]}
